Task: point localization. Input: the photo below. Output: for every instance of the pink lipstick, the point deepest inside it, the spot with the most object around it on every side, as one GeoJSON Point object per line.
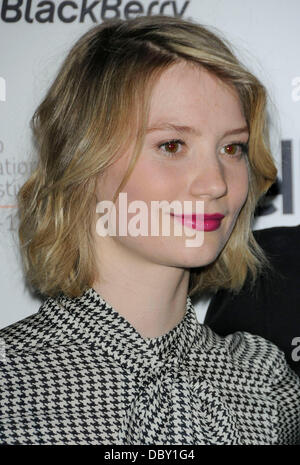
{"type": "Point", "coordinates": [200, 222]}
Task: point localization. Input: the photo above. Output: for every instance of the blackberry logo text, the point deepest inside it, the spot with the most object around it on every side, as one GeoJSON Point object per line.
{"type": "Point", "coordinates": [96, 11]}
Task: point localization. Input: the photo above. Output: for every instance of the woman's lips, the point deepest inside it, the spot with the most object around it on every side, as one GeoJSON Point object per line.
{"type": "Point", "coordinates": [200, 222]}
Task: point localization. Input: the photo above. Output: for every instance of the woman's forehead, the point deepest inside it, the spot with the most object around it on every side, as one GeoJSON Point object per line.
{"type": "Point", "coordinates": [187, 95]}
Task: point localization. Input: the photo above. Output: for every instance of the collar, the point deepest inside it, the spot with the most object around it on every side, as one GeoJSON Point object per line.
{"type": "Point", "coordinates": [93, 320]}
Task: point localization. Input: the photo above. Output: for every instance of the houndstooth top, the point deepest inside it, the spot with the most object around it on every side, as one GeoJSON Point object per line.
{"type": "Point", "coordinates": [77, 372]}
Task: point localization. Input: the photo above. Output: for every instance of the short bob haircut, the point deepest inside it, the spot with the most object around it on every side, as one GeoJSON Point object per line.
{"type": "Point", "coordinates": [98, 102]}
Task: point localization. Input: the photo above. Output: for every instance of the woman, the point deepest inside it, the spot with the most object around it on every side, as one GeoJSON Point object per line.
{"type": "Point", "coordinates": [158, 109]}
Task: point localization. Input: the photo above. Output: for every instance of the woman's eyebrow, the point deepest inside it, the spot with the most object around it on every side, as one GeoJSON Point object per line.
{"type": "Point", "coordinates": [236, 131]}
{"type": "Point", "coordinates": [192, 130]}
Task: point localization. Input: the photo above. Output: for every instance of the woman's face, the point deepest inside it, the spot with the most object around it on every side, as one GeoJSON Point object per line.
{"type": "Point", "coordinates": [204, 118]}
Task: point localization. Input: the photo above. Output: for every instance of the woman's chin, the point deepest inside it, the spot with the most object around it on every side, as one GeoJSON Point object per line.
{"type": "Point", "coordinates": [196, 258]}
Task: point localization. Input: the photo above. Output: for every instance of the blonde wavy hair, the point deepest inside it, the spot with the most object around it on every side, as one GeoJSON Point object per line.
{"type": "Point", "coordinates": [98, 102]}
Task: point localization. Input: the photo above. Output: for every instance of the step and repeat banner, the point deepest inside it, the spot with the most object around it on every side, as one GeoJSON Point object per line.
{"type": "Point", "coordinates": [35, 36]}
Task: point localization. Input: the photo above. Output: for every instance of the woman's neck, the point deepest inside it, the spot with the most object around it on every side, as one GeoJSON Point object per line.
{"type": "Point", "coordinates": [151, 296]}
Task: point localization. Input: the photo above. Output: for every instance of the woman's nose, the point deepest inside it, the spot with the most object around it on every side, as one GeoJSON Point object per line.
{"type": "Point", "coordinates": [209, 178]}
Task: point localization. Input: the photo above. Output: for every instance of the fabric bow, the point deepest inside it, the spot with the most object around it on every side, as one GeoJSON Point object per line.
{"type": "Point", "coordinates": [186, 410]}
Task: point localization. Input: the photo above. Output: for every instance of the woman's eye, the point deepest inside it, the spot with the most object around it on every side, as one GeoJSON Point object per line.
{"type": "Point", "coordinates": [236, 150]}
{"type": "Point", "coordinates": [172, 147]}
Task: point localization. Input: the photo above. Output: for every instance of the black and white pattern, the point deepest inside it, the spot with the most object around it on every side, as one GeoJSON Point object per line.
{"type": "Point", "coordinates": [77, 372]}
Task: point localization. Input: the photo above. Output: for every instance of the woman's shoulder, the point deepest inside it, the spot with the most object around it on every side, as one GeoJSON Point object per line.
{"type": "Point", "coordinates": [254, 370]}
{"type": "Point", "coordinates": [269, 369]}
{"type": "Point", "coordinates": [35, 331]}
{"type": "Point", "coordinates": [252, 353]}
{"type": "Point", "coordinates": [248, 348]}
{"type": "Point", "coordinates": [268, 372]}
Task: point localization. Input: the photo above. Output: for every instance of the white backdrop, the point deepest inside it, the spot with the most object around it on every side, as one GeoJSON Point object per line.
{"type": "Point", "coordinates": [33, 42]}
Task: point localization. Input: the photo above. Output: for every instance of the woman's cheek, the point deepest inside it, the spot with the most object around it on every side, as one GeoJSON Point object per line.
{"type": "Point", "coordinates": [240, 185]}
